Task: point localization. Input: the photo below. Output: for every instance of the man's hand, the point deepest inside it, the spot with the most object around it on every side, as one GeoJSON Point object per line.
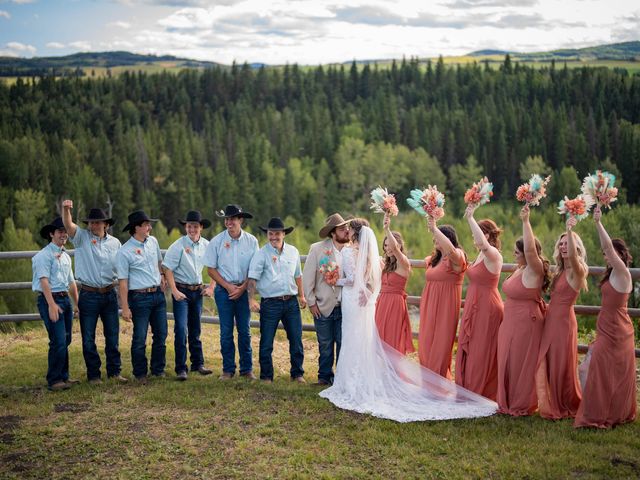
{"type": "Point", "coordinates": [126, 314]}
{"type": "Point", "coordinates": [235, 291]}
{"type": "Point", "coordinates": [302, 301]}
{"type": "Point", "coordinates": [178, 295]}
{"type": "Point", "coordinates": [67, 204]}
{"type": "Point", "coordinates": [315, 311]}
{"type": "Point", "coordinates": [254, 305]}
{"type": "Point", "coordinates": [54, 312]}
{"type": "Point", "coordinates": [76, 312]}
{"type": "Point", "coordinates": [208, 290]}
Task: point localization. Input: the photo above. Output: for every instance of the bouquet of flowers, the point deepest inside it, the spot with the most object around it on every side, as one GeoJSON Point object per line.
{"type": "Point", "coordinates": [479, 193]}
{"type": "Point", "coordinates": [383, 202]}
{"type": "Point", "coordinates": [427, 202]}
{"type": "Point", "coordinates": [329, 270]}
{"type": "Point", "coordinates": [598, 188]}
{"type": "Point", "coordinates": [578, 207]}
{"type": "Point", "coordinates": [531, 193]}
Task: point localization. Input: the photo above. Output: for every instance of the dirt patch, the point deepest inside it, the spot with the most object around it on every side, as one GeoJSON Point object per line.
{"type": "Point", "coordinates": [15, 460]}
{"type": "Point", "coordinates": [71, 407]}
{"type": "Point", "coordinates": [9, 422]}
{"type": "Point", "coordinates": [615, 461]}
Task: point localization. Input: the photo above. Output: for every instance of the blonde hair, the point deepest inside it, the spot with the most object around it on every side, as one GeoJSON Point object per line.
{"type": "Point", "coordinates": [582, 258]}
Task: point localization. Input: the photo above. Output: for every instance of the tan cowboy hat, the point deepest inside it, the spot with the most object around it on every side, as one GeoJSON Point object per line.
{"type": "Point", "coordinates": [330, 223]}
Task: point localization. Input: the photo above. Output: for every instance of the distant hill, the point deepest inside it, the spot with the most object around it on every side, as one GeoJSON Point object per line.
{"type": "Point", "coordinates": [629, 51]}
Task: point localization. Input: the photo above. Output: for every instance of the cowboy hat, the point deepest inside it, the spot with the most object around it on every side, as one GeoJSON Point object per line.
{"type": "Point", "coordinates": [194, 216]}
{"type": "Point", "coordinates": [137, 218]}
{"type": "Point", "coordinates": [50, 228]}
{"type": "Point", "coordinates": [98, 215]}
{"type": "Point", "coordinates": [277, 225]}
{"type": "Point", "coordinates": [330, 223]}
{"type": "Point", "coordinates": [233, 210]}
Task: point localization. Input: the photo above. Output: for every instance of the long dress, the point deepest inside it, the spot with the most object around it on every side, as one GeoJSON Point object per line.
{"type": "Point", "coordinates": [439, 312]}
{"type": "Point", "coordinates": [518, 347]}
{"type": "Point", "coordinates": [557, 379]}
{"type": "Point", "coordinates": [609, 396]}
{"type": "Point", "coordinates": [476, 360]}
{"type": "Point", "coordinates": [392, 315]}
{"type": "Point", "coordinates": [375, 379]}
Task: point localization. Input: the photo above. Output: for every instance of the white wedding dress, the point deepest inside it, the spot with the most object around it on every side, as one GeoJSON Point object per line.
{"type": "Point", "coordinates": [372, 377]}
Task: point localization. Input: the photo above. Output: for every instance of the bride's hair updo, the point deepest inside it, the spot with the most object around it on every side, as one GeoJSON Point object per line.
{"type": "Point", "coordinates": [356, 225]}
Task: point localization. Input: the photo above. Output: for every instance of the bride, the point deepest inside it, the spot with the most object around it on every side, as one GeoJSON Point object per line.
{"type": "Point", "coordinates": [373, 378]}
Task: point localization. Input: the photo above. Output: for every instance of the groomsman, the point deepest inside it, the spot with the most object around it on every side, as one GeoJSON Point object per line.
{"type": "Point", "coordinates": [53, 281]}
{"type": "Point", "coordinates": [95, 255]}
{"type": "Point", "coordinates": [275, 271]}
{"type": "Point", "coordinates": [323, 296]}
{"type": "Point", "coordinates": [228, 256]}
{"type": "Point", "coordinates": [183, 270]}
{"type": "Point", "coordinates": [142, 294]}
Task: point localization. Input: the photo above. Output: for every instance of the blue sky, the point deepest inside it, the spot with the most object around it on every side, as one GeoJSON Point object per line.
{"type": "Point", "coordinates": [310, 31]}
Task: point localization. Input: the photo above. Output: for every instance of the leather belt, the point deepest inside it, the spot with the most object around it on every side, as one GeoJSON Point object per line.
{"type": "Point", "coordinates": [193, 288]}
{"type": "Point", "coordinates": [146, 290]}
{"type": "Point", "coordinates": [282, 298]}
{"type": "Point", "coordinates": [59, 294]}
{"type": "Point", "coordinates": [106, 289]}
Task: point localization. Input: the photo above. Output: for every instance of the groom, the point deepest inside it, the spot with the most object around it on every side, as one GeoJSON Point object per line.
{"type": "Point", "coordinates": [323, 296]}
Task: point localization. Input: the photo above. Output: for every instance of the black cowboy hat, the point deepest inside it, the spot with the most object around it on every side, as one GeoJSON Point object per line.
{"type": "Point", "coordinates": [137, 218]}
{"type": "Point", "coordinates": [196, 217]}
{"type": "Point", "coordinates": [276, 224]}
{"type": "Point", "coordinates": [52, 227]}
{"type": "Point", "coordinates": [98, 215]}
{"type": "Point", "coordinates": [233, 210]}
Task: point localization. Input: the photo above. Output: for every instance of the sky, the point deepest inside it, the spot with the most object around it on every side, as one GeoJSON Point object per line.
{"type": "Point", "coordinates": [310, 32]}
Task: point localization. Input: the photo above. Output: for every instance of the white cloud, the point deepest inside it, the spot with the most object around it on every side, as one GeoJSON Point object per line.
{"type": "Point", "coordinates": [55, 45]}
{"type": "Point", "coordinates": [5, 14]}
{"type": "Point", "coordinates": [81, 45]}
{"type": "Point", "coordinates": [120, 24]}
{"type": "Point", "coordinates": [21, 47]}
{"type": "Point", "coordinates": [22, 2]}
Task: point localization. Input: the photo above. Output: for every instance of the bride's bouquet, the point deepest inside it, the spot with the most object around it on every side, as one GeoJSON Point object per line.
{"type": "Point", "coordinates": [598, 188]}
{"type": "Point", "coordinates": [535, 190]}
{"type": "Point", "coordinates": [383, 202]}
{"type": "Point", "coordinates": [479, 193]}
{"type": "Point", "coordinates": [427, 202]}
{"type": "Point", "coordinates": [329, 270]}
{"type": "Point", "coordinates": [577, 207]}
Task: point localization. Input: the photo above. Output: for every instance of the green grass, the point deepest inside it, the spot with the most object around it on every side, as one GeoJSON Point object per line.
{"type": "Point", "coordinates": [205, 428]}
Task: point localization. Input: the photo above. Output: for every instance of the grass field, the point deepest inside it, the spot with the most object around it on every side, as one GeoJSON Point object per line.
{"type": "Point", "coordinates": [205, 428]}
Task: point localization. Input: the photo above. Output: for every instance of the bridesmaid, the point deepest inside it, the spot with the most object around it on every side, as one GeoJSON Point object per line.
{"type": "Point", "coordinates": [609, 396]}
{"type": "Point", "coordinates": [557, 380]}
{"type": "Point", "coordinates": [521, 330]}
{"type": "Point", "coordinates": [441, 299]}
{"type": "Point", "coordinates": [392, 316]}
{"type": "Point", "coordinates": [476, 360]}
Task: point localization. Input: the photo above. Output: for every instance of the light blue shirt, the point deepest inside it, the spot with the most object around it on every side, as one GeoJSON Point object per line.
{"type": "Point", "coordinates": [231, 256]}
{"type": "Point", "coordinates": [138, 262]}
{"type": "Point", "coordinates": [95, 258]}
{"type": "Point", "coordinates": [275, 272]}
{"type": "Point", "coordinates": [53, 263]}
{"type": "Point", "coordinates": [185, 259]}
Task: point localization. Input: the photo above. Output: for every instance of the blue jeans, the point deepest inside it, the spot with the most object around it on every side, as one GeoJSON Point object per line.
{"type": "Point", "coordinates": [329, 332]}
{"type": "Point", "coordinates": [230, 312]}
{"type": "Point", "coordinates": [186, 314]}
{"type": "Point", "coordinates": [272, 311]}
{"type": "Point", "coordinates": [148, 309]}
{"type": "Point", "coordinates": [104, 305]}
{"type": "Point", "coordinates": [59, 338]}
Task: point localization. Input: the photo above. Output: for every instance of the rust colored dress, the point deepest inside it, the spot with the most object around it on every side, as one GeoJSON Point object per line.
{"type": "Point", "coordinates": [392, 316]}
{"type": "Point", "coordinates": [439, 313]}
{"type": "Point", "coordinates": [518, 347]}
{"type": "Point", "coordinates": [609, 396]}
{"type": "Point", "coordinates": [476, 360]}
{"type": "Point", "coordinates": [557, 379]}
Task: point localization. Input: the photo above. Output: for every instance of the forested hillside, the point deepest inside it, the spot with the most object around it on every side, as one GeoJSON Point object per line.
{"type": "Point", "coordinates": [289, 141]}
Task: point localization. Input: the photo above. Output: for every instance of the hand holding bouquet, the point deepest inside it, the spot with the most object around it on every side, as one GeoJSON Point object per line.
{"type": "Point", "coordinates": [535, 190]}
{"type": "Point", "coordinates": [598, 189]}
{"type": "Point", "coordinates": [479, 193]}
{"type": "Point", "coordinates": [577, 207]}
{"type": "Point", "coordinates": [428, 202]}
{"type": "Point", "coordinates": [383, 202]}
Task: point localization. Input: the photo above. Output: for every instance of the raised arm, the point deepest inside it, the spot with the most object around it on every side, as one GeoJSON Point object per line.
{"type": "Point", "coordinates": [578, 268]}
{"type": "Point", "coordinates": [392, 244]}
{"type": "Point", "coordinates": [620, 269]}
{"type": "Point", "coordinates": [67, 206]}
{"type": "Point", "coordinates": [493, 257]}
{"type": "Point", "coordinates": [445, 246]}
{"type": "Point", "coordinates": [530, 253]}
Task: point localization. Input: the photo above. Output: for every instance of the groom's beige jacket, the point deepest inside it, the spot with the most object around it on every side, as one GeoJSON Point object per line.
{"type": "Point", "coordinates": [316, 290]}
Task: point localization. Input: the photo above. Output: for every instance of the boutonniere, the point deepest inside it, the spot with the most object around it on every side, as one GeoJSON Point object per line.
{"type": "Point", "coordinates": [94, 241]}
{"type": "Point", "coordinates": [274, 258]}
{"type": "Point", "coordinates": [227, 244]}
{"type": "Point", "coordinates": [138, 251]}
{"type": "Point", "coordinates": [58, 255]}
{"type": "Point", "coordinates": [328, 253]}
{"type": "Point", "coordinates": [187, 250]}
